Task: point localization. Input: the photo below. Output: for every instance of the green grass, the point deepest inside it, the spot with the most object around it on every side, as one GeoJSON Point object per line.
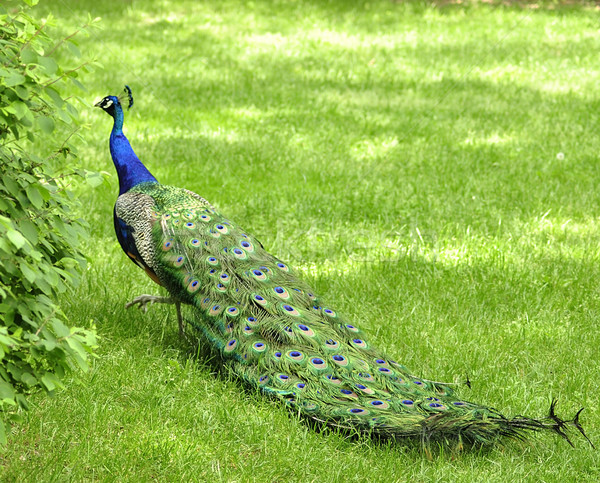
{"type": "Point", "coordinates": [404, 157]}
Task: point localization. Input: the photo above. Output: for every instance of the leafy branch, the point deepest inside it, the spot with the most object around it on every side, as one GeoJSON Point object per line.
{"type": "Point", "coordinates": [39, 237]}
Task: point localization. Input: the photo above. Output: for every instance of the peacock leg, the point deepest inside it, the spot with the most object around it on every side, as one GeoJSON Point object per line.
{"type": "Point", "coordinates": [179, 318]}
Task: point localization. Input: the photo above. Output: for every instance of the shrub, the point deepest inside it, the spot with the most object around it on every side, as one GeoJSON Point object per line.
{"type": "Point", "coordinates": [39, 233]}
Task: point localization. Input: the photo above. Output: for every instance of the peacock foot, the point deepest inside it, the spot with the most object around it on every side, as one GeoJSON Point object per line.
{"type": "Point", "coordinates": [145, 299]}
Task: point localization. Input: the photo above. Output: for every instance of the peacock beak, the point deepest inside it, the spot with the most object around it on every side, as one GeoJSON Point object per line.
{"type": "Point", "coordinates": [98, 104]}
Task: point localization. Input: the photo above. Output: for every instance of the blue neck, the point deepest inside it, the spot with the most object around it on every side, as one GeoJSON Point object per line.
{"type": "Point", "coordinates": [130, 169]}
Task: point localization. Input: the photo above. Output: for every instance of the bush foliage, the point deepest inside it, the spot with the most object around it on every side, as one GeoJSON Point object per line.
{"type": "Point", "coordinates": [39, 232]}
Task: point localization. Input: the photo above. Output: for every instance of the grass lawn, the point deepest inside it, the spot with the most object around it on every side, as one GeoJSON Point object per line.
{"type": "Point", "coordinates": [432, 169]}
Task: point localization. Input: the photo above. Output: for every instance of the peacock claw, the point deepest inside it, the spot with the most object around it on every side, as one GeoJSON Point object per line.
{"type": "Point", "coordinates": [145, 299]}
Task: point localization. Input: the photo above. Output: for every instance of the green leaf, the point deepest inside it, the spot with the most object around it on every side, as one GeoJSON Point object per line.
{"type": "Point", "coordinates": [28, 56]}
{"type": "Point", "coordinates": [33, 193]}
{"type": "Point", "coordinates": [16, 238]}
{"type": "Point", "coordinates": [80, 355]}
{"type": "Point", "coordinates": [94, 179]}
{"type": "Point", "coordinates": [15, 417]}
{"type": "Point", "coordinates": [74, 49]}
{"type": "Point", "coordinates": [78, 84]}
{"type": "Point", "coordinates": [29, 230]}
{"type": "Point", "coordinates": [27, 272]}
{"type": "Point", "coordinates": [7, 340]}
{"type": "Point", "coordinates": [14, 79]}
{"type": "Point", "coordinates": [19, 108]}
{"type": "Point", "coordinates": [49, 65]}
{"type": "Point", "coordinates": [7, 392]}
{"type": "Point", "coordinates": [50, 381]}
{"type": "Point", "coordinates": [60, 329]}
{"type": "Point", "coordinates": [12, 187]}
{"type": "Point", "coordinates": [46, 124]}
{"type": "Point", "coordinates": [68, 262]}
{"type": "Point", "coordinates": [55, 96]}
{"type": "Point", "coordinates": [44, 286]}
{"type": "Point", "coordinates": [28, 379]}
{"type": "Point", "coordinates": [52, 277]}
{"type": "Point", "coordinates": [22, 92]}
{"type": "Point", "coordinates": [49, 344]}
{"type": "Point", "coordinates": [64, 116]}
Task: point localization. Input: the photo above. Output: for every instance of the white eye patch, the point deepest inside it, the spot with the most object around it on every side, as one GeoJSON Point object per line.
{"type": "Point", "coordinates": [108, 103]}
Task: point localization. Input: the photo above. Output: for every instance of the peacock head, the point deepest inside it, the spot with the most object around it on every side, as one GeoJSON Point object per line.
{"type": "Point", "coordinates": [111, 104]}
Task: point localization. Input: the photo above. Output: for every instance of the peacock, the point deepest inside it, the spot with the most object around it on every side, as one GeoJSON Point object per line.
{"type": "Point", "coordinates": [271, 330]}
